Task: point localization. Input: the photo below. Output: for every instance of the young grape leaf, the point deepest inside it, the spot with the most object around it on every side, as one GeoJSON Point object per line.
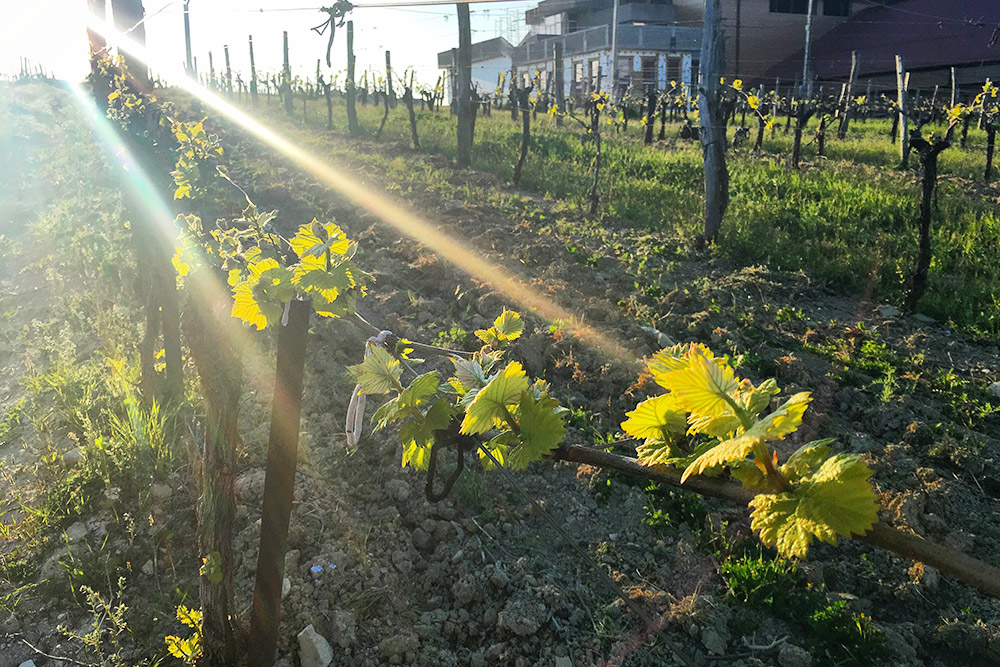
{"type": "Point", "coordinates": [328, 284]}
{"type": "Point", "coordinates": [703, 387]}
{"type": "Point", "coordinates": [422, 388]}
{"type": "Point", "coordinates": [774, 426]}
{"type": "Point", "coordinates": [378, 373]}
{"type": "Point", "coordinates": [756, 400]}
{"type": "Point", "coordinates": [806, 459]}
{"type": "Point", "coordinates": [490, 404]}
{"type": "Point", "coordinates": [675, 358]}
{"type": "Point", "coordinates": [191, 617]}
{"type": "Point", "coordinates": [656, 419]}
{"type": "Point", "coordinates": [836, 500]}
{"type": "Point", "coordinates": [721, 426]}
{"type": "Point", "coordinates": [314, 239]}
{"type": "Point", "coordinates": [418, 435]}
{"type": "Point", "coordinates": [750, 475]}
{"type": "Point", "coordinates": [506, 328]}
{"type": "Point", "coordinates": [541, 429]}
{"type": "Point", "coordinates": [498, 446]}
{"type": "Point", "coordinates": [246, 307]}
{"type": "Point", "coordinates": [386, 414]}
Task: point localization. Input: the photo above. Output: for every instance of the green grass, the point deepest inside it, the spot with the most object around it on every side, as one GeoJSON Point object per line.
{"type": "Point", "coordinates": [835, 634]}
{"type": "Point", "coordinates": [846, 219]}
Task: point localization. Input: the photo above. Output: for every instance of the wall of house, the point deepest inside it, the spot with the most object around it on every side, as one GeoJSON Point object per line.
{"type": "Point", "coordinates": [669, 66]}
{"type": "Point", "coordinates": [484, 76]}
{"type": "Point", "coordinates": [765, 38]}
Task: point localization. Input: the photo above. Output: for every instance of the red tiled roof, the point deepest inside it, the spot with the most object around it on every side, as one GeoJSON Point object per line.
{"type": "Point", "coordinates": [928, 34]}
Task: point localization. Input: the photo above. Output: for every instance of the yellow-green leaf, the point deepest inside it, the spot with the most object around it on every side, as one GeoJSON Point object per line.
{"type": "Point", "coordinates": [378, 373]}
{"type": "Point", "coordinates": [316, 238]}
{"type": "Point", "coordinates": [418, 435]}
{"type": "Point", "coordinates": [837, 500]}
{"type": "Point", "coordinates": [774, 426]}
{"type": "Point", "coordinates": [509, 325]}
{"type": "Point", "coordinates": [806, 459]}
{"type": "Point", "coordinates": [676, 357]}
{"type": "Point", "coordinates": [657, 418]}
{"type": "Point", "coordinates": [491, 402]}
{"type": "Point", "coordinates": [703, 387]}
{"type": "Point", "coordinates": [542, 428]}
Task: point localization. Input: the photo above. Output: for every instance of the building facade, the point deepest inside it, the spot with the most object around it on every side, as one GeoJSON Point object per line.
{"type": "Point", "coordinates": [652, 50]}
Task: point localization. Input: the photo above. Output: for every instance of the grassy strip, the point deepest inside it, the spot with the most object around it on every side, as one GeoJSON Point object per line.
{"type": "Point", "coordinates": [846, 219]}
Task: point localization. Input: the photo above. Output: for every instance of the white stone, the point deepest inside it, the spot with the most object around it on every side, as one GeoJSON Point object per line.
{"type": "Point", "coordinates": [995, 389]}
{"type": "Point", "coordinates": [887, 311]}
{"type": "Point", "coordinates": [662, 339]}
{"type": "Point", "coordinates": [76, 532]}
{"type": "Point", "coordinates": [563, 661]}
{"type": "Point", "coordinates": [314, 650]}
{"type": "Point", "coordinates": [148, 568]}
{"type": "Point", "coordinates": [286, 587]}
{"type": "Point", "coordinates": [73, 457]}
{"type": "Point", "coordinates": [160, 492]}
{"type": "Point", "coordinates": [27, 663]}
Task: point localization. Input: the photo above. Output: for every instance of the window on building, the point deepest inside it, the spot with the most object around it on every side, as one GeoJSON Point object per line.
{"type": "Point", "coordinates": [595, 74]}
{"type": "Point", "coordinates": [789, 6]}
{"type": "Point", "coordinates": [578, 71]}
{"type": "Point", "coordinates": [673, 69]}
{"type": "Point", "coordinates": [649, 72]}
{"type": "Point", "coordinates": [836, 7]}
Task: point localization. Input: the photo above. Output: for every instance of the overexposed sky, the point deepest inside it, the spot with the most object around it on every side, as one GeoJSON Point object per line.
{"type": "Point", "coordinates": [50, 33]}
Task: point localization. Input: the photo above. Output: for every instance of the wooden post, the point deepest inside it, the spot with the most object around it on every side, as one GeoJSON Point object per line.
{"type": "Point", "coordinates": [211, 336]}
{"type": "Point", "coordinates": [128, 16]}
{"type": "Point", "coordinates": [211, 71]}
{"type": "Point", "coordinates": [408, 101]}
{"type": "Point", "coordinates": [253, 74]}
{"type": "Point", "coordinates": [954, 89]}
{"type": "Point", "coordinates": [845, 108]}
{"type": "Point", "coordinates": [904, 137]}
{"type": "Point", "coordinates": [286, 74]}
{"type": "Point", "coordinates": [928, 159]}
{"type": "Point", "coordinates": [388, 80]}
{"type": "Point", "coordinates": [713, 140]}
{"type": "Point", "coordinates": [279, 484]}
{"type": "Point", "coordinates": [558, 83]}
{"type": "Point", "coordinates": [650, 116]}
{"type": "Point", "coordinates": [188, 64]}
{"type": "Point", "coordinates": [525, 105]}
{"type": "Point", "coordinates": [229, 72]}
{"type": "Point", "coordinates": [512, 96]}
{"type": "Point", "coordinates": [352, 111]}
{"type": "Point", "coordinates": [464, 67]}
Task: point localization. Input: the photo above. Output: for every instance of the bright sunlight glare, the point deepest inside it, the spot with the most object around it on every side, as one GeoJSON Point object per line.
{"type": "Point", "coordinates": [386, 208]}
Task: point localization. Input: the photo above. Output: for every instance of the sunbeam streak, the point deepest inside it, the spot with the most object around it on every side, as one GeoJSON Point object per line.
{"type": "Point", "coordinates": [163, 218]}
{"type": "Point", "coordinates": [384, 207]}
